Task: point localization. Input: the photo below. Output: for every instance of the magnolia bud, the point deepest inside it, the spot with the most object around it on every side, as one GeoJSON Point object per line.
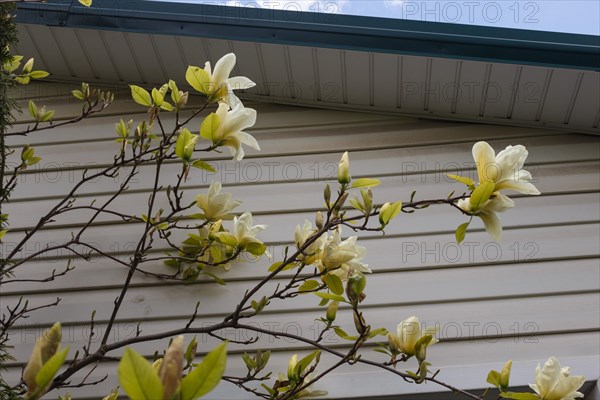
{"type": "Point", "coordinates": [344, 169]}
{"type": "Point", "coordinates": [341, 201]}
{"type": "Point", "coordinates": [45, 347]}
{"type": "Point", "coordinates": [505, 374]}
{"type": "Point", "coordinates": [394, 343]}
{"type": "Point", "coordinates": [291, 367]}
{"type": "Point", "coordinates": [332, 311]}
{"type": "Point", "coordinates": [319, 220]}
{"type": "Point", "coordinates": [171, 368]}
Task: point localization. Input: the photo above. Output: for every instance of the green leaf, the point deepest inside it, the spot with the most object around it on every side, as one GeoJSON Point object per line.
{"type": "Point", "coordinates": [308, 286]}
{"type": "Point", "coordinates": [481, 194]}
{"type": "Point", "coordinates": [463, 179]}
{"type": "Point", "coordinates": [137, 377]}
{"type": "Point", "coordinates": [50, 368]}
{"type": "Point", "coordinates": [198, 79]}
{"type": "Point", "coordinates": [378, 332]}
{"type": "Point", "coordinates": [2, 233]}
{"type": "Point", "coordinates": [330, 296]}
{"type": "Point", "coordinates": [175, 96]}
{"type": "Point", "coordinates": [216, 278]}
{"type": "Point", "coordinates": [334, 283]}
{"type": "Point", "coordinates": [166, 106]}
{"type": "Point", "coordinates": [33, 111]}
{"type": "Point", "coordinates": [86, 3]}
{"type": "Point", "coordinates": [203, 165]}
{"type": "Point", "coordinates": [256, 248]}
{"type": "Point", "coordinates": [226, 238]}
{"type": "Point", "coordinates": [47, 116]}
{"type": "Point", "coordinates": [38, 74]}
{"type": "Point", "coordinates": [519, 396]}
{"type": "Point", "coordinates": [389, 211]}
{"type": "Point", "coordinates": [365, 182]}
{"type": "Point", "coordinates": [78, 94]}
{"type": "Point", "coordinates": [33, 160]}
{"type": "Point", "coordinates": [275, 265]}
{"type": "Point", "coordinates": [209, 126]}
{"type": "Point", "coordinates": [206, 376]}
{"type": "Point", "coordinates": [305, 362]}
{"type": "Point", "coordinates": [157, 97]}
{"type": "Point", "coordinates": [355, 202]}
{"type": "Point", "coordinates": [493, 378]}
{"type": "Point", "coordinates": [341, 333]}
{"type": "Point", "coordinates": [182, 140]}
{"type": "Point", "coordinates": [140, 96]}
{"type": "Point", "coordinates": [461, 231]}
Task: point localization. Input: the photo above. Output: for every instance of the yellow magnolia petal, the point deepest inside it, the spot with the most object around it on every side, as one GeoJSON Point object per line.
{"type": "Point", "coordinates": [485, 160]}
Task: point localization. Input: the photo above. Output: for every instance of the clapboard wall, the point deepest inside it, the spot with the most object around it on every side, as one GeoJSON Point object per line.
{"type": "Point", "coordinates": [533, 295]}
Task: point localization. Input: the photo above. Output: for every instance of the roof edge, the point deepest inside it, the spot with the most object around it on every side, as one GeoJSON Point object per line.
{"type": "Point", "coordinates": [382, 35]}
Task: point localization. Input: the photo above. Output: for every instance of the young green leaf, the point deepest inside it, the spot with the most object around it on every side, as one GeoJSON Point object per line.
{"type": "Point", "coordinates": [334, 283]}
{"type": "Point", "coordinates": [481, 194]}
{"type": "Point", "coordinates": [365, 182]}
{"type": "Point", "coordinates": [198, 79]}
{"type": "Point", "coordinates": [86, 3]}
{"type": "Point", "coordinates": [493, 378]}
{"type": "Point", "coordinates": [461, 231]}
{"type": "Point", "coordinates": [33, 111]}
{"type": "Point", "coordinates": [203, 165]}
{"type": "Point", "coordinates": [141, 96]}
{"type": "Point", "coordinates": [308, 286]}
{"type": "Point", "coordinates": [331, 296]}
{"type": "Point", "coordinates": [209, 126]}
{"type": "Point", "coordinates": [137, 377]}
{"type": "Point", "coordinates": [50, 368]}
{"type": "Point", "coordinates": [519, 396]}
{"type": "Point", "coordinates": [206, 376]}
{"type": "Point", "coordinates": [38, 74]}
{"type": "Point", "coordinates": [463, 179]}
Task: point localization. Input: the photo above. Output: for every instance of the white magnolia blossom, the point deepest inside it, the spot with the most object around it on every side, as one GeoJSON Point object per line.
{"type": "Point", "coordinates": [504, 169]}
{"type": "Point", "coordinates": [243, 230]}
{"type": "Point", "coordinates": [216, 205]}
{"type": "Point", "coordinates": [555, 383]}
{"type": "Point", "coordinates": [487, 212]}
{"type": "Point", "coordinates": [221, 86]}
{"type": "Point", "coordinates": [408, 333]}
{"type": "Point", "coordinates": [343, 257]}
{"type": "Point", "coordinates": [313, 251]}
{"type": "Point", "coordinates": [230, 131]}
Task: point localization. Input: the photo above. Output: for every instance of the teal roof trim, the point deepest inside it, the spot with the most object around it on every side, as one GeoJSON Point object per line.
{"type": "Point", "coordinates": [383, 35]}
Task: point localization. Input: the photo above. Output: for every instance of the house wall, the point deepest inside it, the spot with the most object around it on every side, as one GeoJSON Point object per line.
{"type": "Point", "coordinates": [533, 295]}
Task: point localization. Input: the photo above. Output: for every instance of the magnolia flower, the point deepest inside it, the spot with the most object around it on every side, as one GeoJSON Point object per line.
{"type": "Point", "coordinates": [216, 205]}
{"type": "Point", "coordinates": [487, 212]}
{"type": "Point", "coordinates": [244, 232]}
{"type": "Point", "coordinates": [221, 86]}
{"type": "Point", "coordinates": [313, 251]}
{"type": "Point", "coordinates": [344, 169]}
{"type": "Point", "coordinates": [343, 257]}
{"type": "Point", "coordinates": [554, 383]}
{"type": "Point", "coordinates": [504, 169]}
{"type": "Point", "coordinates": [230, 129]}
{"type": "Point", "coordinates": [409, 332]}
{"type": "Point", "coordinates": [171, 368]}
{"type": "Point", "coordinates": [45, 347]}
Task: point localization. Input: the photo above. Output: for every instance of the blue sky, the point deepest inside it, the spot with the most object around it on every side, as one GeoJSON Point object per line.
{"type": "Point", "coordinates": [574, 16]}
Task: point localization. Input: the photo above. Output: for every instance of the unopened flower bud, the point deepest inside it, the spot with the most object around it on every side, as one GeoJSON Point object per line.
{"type": "Point", "coordinates": [505, 374]}
{"type": "Point", "coordinates": [45, 347]}
{"type": "Point", "coordinates": [319, 220]}
{"type": "Point", "coordinates": [291, 367]}
{"type": "Point", "coordinates": [332, 310]}
{"type": "Point", "coordinates": [344, 169]}
{"type": "Point", "coordinates": [171, 368]}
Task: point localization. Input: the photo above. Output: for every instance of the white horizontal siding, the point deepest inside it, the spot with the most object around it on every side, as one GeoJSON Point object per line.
{"type": "Point", "coordinates": [538, 290]}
